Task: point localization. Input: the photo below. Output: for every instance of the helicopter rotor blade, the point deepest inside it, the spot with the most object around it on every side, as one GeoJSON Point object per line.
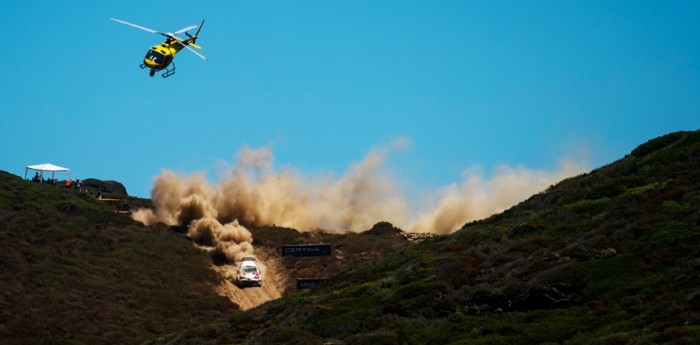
{"type": "Point", "coordinates": [136, 26]}
{"type": "Point", "coordinates": [196, 53]}
{"type": "Point", "coordinates": [184, 29]}
{"type": "Point", "coordinates": [192, 50]}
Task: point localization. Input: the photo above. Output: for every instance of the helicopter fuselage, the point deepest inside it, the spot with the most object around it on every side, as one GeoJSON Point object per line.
{"type": "Point", "coordinates": [161, 55]}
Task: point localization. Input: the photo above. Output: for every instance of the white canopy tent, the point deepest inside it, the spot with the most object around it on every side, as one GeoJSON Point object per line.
{"type": "Point", "coordinates": [40, 168]}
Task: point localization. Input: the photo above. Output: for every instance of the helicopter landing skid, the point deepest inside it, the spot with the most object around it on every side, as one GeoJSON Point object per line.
{"type": "Point", "coordinates": [169, 71]}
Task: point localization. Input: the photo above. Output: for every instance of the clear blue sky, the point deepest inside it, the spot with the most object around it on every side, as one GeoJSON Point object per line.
{"type": "Point", "coordinates": [322, 82]}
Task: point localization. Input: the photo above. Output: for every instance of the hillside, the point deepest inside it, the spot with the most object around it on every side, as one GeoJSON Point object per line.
{"type": "Point", "coordinates": [78, 270]}
{"type": "Point", "coordinates": [74, 271]}
{"type": "Point", "coordinates": [608, 257]}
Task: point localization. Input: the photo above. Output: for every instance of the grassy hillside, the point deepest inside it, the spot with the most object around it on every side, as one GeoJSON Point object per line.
{"type": "Point", "coordinates": [609, 257]}
{"type": "Point", "coordinates": [349, 250]}
{"type": "Point", "coordinates": [76, 272]}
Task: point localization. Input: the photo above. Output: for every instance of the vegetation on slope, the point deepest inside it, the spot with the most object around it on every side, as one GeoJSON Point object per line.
{"type": "Point", "coordinates": [349, 250]}
{"type": "Point", "coordinates": [609, 257]}
{"type": "Point", "coordinates": [76, 272]}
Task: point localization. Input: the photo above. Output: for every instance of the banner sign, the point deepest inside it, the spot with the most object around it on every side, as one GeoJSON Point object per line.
{"type": "Point", "coordinates": [307, 250]}
{"type": "Point", "coordinates": [308, 283]}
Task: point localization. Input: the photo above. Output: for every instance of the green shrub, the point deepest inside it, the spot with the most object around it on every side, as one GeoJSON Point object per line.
{"type": "Point", "coordinates": [676, 208]}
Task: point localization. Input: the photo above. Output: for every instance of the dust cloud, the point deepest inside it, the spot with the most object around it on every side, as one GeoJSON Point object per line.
{"type": "Point", "coordinates": [253, 193]}
{"type": "Point", "coordinates": [477, 197]}
{"type": "Point", "coordinates": [186, 202]}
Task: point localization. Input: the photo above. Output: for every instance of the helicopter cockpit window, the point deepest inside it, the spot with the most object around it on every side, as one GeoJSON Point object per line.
{"type": "Point", "coordinates": [155, 56]}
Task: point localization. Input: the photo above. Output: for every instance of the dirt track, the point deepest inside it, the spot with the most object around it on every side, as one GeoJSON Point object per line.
{"type": "Point", "coordinates": [274, 282]}
{"type": "Point", "coordinates": [280, 273]}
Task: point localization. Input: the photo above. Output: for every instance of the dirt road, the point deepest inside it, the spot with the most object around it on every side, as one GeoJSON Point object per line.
{"type": "Point", "coordinates": [280, 273]}
{"type": "Point", "coordinates": [274, 282]}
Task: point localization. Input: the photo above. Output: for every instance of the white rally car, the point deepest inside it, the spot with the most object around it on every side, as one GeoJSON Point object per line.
{"type": "Point", "coordinates": [249, 273]}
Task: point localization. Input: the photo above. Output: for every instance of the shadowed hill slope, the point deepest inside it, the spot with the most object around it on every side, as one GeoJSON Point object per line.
{"type": "Point", "coordinates": [608, 257]}
{"type": "Point", "coordinates": [76, 272]}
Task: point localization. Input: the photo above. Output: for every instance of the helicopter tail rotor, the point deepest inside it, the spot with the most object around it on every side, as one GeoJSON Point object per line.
{"type": "Point", "coordinates": [196, 34]}
{"type": "Point", "coordinates": [190, 43]}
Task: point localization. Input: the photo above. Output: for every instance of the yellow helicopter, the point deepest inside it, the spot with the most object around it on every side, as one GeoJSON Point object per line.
{"type": "Point", "coordinates": [160, 57]}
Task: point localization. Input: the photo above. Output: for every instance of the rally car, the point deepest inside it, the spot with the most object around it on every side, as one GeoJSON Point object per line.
{"type": "Point", "coordinates": [249, 273]}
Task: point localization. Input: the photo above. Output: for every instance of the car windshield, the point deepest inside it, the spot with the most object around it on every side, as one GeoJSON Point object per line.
{"type": "Point", "coordinates": [155, 56]}
{"type": "Point", "coordinates": [249, 269]}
